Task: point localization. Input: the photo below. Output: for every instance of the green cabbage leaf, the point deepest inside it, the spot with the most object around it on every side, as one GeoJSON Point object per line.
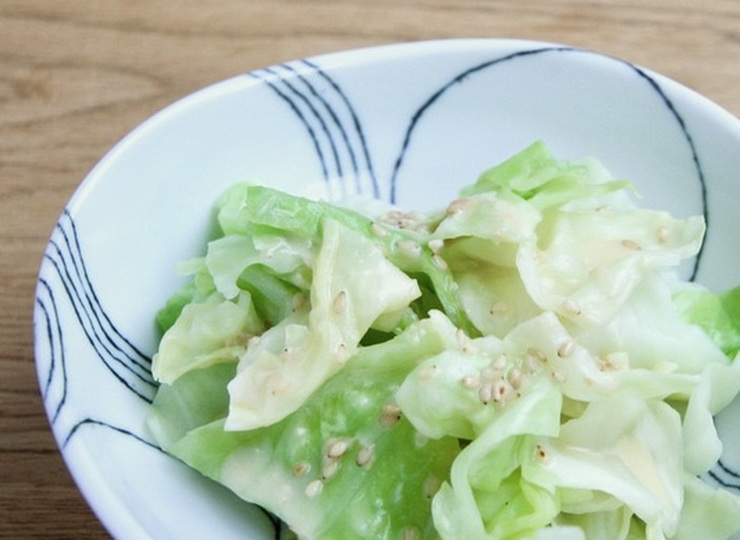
{"type": "Point", "coordinates": [524, 364]}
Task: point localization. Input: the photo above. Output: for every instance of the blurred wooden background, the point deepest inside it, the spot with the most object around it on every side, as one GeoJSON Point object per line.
{"type": "Point", "coordinates": [77, 75]}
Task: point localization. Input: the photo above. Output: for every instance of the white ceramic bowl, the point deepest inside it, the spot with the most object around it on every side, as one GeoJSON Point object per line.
{"type": "Point", "coordinates": [407, 123]}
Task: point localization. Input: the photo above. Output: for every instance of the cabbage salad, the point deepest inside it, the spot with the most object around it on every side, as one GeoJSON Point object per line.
{"type": "Point", "coordinates": [522, 364]}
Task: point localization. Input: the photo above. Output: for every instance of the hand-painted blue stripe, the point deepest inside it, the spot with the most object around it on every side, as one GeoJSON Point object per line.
{"type": "Point", "coordinates": [107, 425]}
{"type": "Point", "coordinates": [356, 123]}
{"type": "Point", "coordinates": [335, 120]}
{"type": "Point", "coordinates": [90, 321]}
{"type": "Point", "coordinates": [52, 348]}
{"type": "Point", "coordinates": [306, 124]}
{"type": "Point", "coordinates": [694, 156]}
{"type": "Point", "coordinates": [727, 470]}
{"type": "Point", "coordinates": [722, 482]}
{"type": "Point", "coordinates": [94, 314]}
{"type": "Point", "coordinates": [110, 329]}
{"type": "Point", "coordinates": [458, 79]}
{"type": "Point", "coordinates": [92, 339]}
{"type": "Point", "coordinates": [105, 355]}
{"type": "Point", "coordinates": [338, 172]}
{"type": "Point", "coordinates": [526, 53]}
{"type": "Point", "coordinates": [55, 337]}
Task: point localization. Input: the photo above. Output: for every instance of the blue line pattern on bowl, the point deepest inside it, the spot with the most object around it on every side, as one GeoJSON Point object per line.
{"type": "Point", "coordinates": [330, 121]}
{"type": "Point", "coordinates": [66, 300]}
{"type": "Point", "coordinates": [466, 75]}
{"type": "Point", "coordinates": [724, 476]}
{"type": "Point", "coordinates": [65, 286]}
{"type": "Point", "coordinates": [123, 359]}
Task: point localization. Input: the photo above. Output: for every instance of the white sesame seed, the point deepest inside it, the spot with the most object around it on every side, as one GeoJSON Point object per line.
{"type": "Point", "coordinates": [566, 348]}
{"type": "Point", "coordinates": [559, 377]}
{"type": "Point", "coordinates": [571, 307]}
{"type": "Point", "coordinates": [390, 408]}
{"type": "Point", "coordinates": [330, 469]}
{"type": "Point", "coordinates": [403, 220]}
{"type": "Point", "coordinates": [485, 393]}
{"type": "Point", "coordinates": [500, 390]}
{"type": "Point", "coordinates": [365, 456]}
{"type": "Point", "coordinates": [390, 415]}
{"type": "Point", "coordinates": [515, 378]}
{"type": "Point", "coordinates": [314, 488]}
{"type": "Point", "coordinates": [457, 206]}
{"type": "Point", "coordinates": [536, 355]}
{"type": "Point", "coordinates": [470, 382]}
{"type": "Point", "coordinates": [662, 234]}
{"type": "Point", "coordinates": [431, 486]}
{"type": "Point", "coordinates": [378, 230]}
{"type": "Point", "coordinates": [436, 244]}
{"type": "Point", "coordinates": [439, 262]}
{"type": "Point", "coordinates": [392, 217]}
{"type": "Point", "coordinates": [340, 302]}
{"type": "Point", "coordinates": [409, 248]}
{"type": "Point", "coordinates": [301, 469]}
{"type": "Point", "coordinates": [612, 362]}
{"type": "Point", "coordinates": [631, 244]}
{"type": "Point", "coordinates": [337, 448]}
{"type": "Point", "coordinates": [408, 221]}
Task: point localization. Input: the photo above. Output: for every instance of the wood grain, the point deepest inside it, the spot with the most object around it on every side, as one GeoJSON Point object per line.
{"type": "Point", "coordinates": [75, 76]}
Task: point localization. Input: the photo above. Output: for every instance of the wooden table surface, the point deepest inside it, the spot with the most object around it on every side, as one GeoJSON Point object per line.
{"type": "Point", "coordinates": [77, 75]}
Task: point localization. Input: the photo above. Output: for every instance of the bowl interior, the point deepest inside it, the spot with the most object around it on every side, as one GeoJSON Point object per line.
{"type": "Point", "coordinates": [406, 124]}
